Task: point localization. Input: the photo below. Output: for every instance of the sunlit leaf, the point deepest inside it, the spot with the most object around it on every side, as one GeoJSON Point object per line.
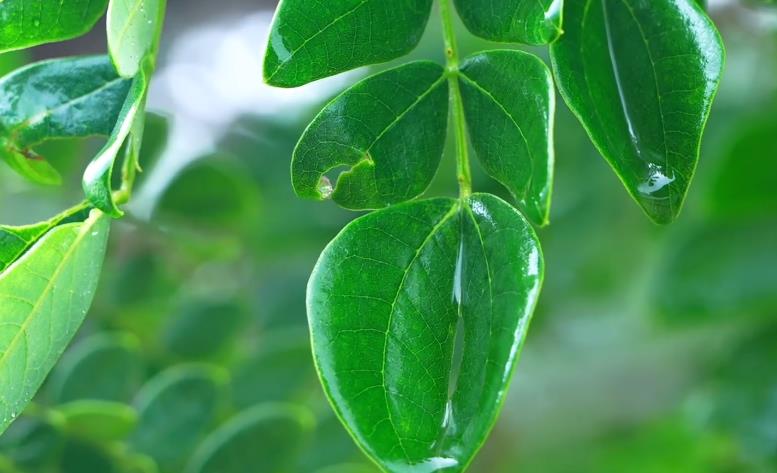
{"type": "Point", "coordinates": [134, 27]}
{"type": "Point", "coordinates": [417, 315]}
{"type": "Point", "coordinates": [308, 44]}
{"type": "Point", "coordinates": [44, 297]}
{"type": "Point", "coordinates": [513, 21]}
{"type": "Point", "coordinates": [98, 421]}
{"type": "Point", "coordinates": [26, 23]}
{"type": "Point", "coordinates": [388, 131]}
{"type": "Point", "coordinates": [641, 76]}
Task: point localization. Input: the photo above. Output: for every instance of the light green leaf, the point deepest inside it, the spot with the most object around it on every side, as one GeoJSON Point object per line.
{"type": "Point", "coordinates": [513, 21]}
{"type": "Point", "coordinates": [266, 437]}
{"type": "Point", "coordinates": [61, 98]}
{"type": "Point", "coordinates": [641, 76]}
{"type": "Point", "coordinates": [509, 102]}
{"type": "Point", "coordinates": [134, 27]}
{"type": "Point", "coordinates": [98, 177]}
{"type": "Point", "coordinates": [88, 370]}
{"type": "Point", "coordinates": [98, 421]}
{"type": "Point", "coordinates": [176, 409]}
{"type": "Point", "coordinates": [307, 43]}
{"type": "Point", "coordinates": [388, 130]}
{"type": "Point", "coordinates": [44, 297]}
{"type": "Point", "coordinates": [26, 23]}
{"type": "Point", "coordinates": [417, 314]}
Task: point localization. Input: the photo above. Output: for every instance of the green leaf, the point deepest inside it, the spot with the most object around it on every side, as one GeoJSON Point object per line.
{"type": "Point", "coordinates": [308, 44]}
{"type": "Point", "coordinates": [98, 177]}
{"type": "Point", "coordinates": [509, 102]}
{"type": "Point", "coordinates": [203, 328]}
{"type": "Point", "coordinates": [513, 21]}
{"type": "Point", "coordinates": [176, 409]}
{"type": "Point", "coordinates": [134, 27]}
{"type": "Point", "coordinates": [44, 297]}
{"type": "Point", "coordinates": [61, 98]}
{"type": "Point", "coordinates": [32, 442]}
{"type": "Point", "coordinates": [348, 468]}
{"type": "Point", "coordinates": [388, 130]}
{"type": "Point", "coordinates": [80, 457]}
{"type": "Point", "coordinates": [265, 437]}
{"type": "Point", "coordinates": [14, 241]}
{"type": "Point", "coordinates": [98, 421]}
{"type": "Point", "coordinates": [417, 314]}
{"type": "Point", "coordinates": [641, 76]}
{"type": "Point", "coordinates": [26, 23]}
{"type": "Point", "coordinates": [88, 371]}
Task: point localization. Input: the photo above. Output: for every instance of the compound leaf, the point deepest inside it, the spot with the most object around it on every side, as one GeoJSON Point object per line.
{"type": "Point", "coordinates": [417, 315]}
{"type": "Point", "coordinates": [44, 297]}
{"type": "Point", "coordinates": [312, 41]}
{"type": "Point", "coordinates": [641, 76]}
{"type": "Point", "coordinates": [513, 21]}
{"type": "Point", "coordinates": [509, 104]}
{"type": "Point", "coordinates": [388, 130]}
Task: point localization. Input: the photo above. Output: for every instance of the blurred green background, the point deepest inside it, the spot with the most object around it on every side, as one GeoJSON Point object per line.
{"type": "Point", "coordinates": [654, 349]}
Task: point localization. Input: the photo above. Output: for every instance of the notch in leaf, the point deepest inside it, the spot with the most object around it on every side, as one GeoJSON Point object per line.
{"type": "Point", "coordinates": [513, 21]}
{"type": "Point", "coordinates": [417, 314]}
{"type": "Point", "coordinates": [308, 42]}
{"type": "Point", "coordinates": [641, 76]}
{"type": "Point", "coordinates": [389, 130]}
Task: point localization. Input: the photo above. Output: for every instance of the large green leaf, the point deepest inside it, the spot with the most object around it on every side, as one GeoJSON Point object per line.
{"type": "Point", "coordinates": [134, 27]}
{"type": "Point", "coordinates": [176, 408]}
{"type": "Point", "coordinates": [388, 130]}
{"type": "Point", "coordinates": [521, 21]}
{"type": "Point", "coordinates": [61, 98]}
{"type": "Point", "coordinates": [44, 297]}
{"type": "Point", "coordinates": [417, 314]}
{"type": "Point", "coordinates": [264, 438]}
{"type": "Point", "coordinates": [509, 102]}
{"type": "Point", "coordinates": [25, 23]}
{"type": "Point", "coordinates": [307, 43]}
{"type": "Point", "coordinates": [641, 76]}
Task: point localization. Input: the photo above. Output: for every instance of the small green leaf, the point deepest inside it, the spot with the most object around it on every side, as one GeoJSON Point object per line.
{"type": "Point", "coordinates": [509, 103]}
{"type": "Point", "coordinates": [266, 436]}
{"type": "Point", "coordinates": [134, 27]}
{"type": "Point", "coordinates": [98, 177]}
{"type": "Point", "coordinates": [98, 421]}
{"type": "Point", "coordinates": [88, 370]}
{"type": "Point", "coordinates": [176, 409]}
{"type": "Point", "coordinates": [202, 328]}
{"type": "Point", "coordinates": [15, 241]}
{"type": "Point", "coordinates": [44, 297]}
{"type": "Point", "coordinates": [61, 98]}
{"type": "Point", "coordinates": [307, 43]}
{"type": "Point", "coordinates": [641, 76]}
{"type": "Point", "coordinates": [388, 130]}
{"type": "Point", "coordinates": [513, 21]}
{"type": "Point", "coordinates": [26, 23]}
{"type": "Point", "coordinates": [417, 314]}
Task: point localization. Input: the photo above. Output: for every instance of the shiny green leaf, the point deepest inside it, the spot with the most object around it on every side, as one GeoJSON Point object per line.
{"type": "Point", "coordinates": [509, 102]}
{"type": "Point", "coordinates": [641, 76]}
{"type": "Point", "coordinates": [513, 21]}
{"type": "Point", "coordinates": [44, 297]}
{"type": "Point", "coordinates": [265, 437]}
{"type": "Point", "coordinates": [88, 370]}
{"type": "Point", "coordinates": [133, 32]}
{"type": "Point", "coordinates": [98, 421]}
{"type": "Point", "coordinates": [26, 23]}
{"type": "Point", "coordinates": [307, 43]}
{"type": "Point", "coordinates": [61, 98]}
{"type": "Point", "coordinates": [417, 314]}
{"type": "Point", "coordinates": [388, 131]}
{"type": "Point", "coordinates": [176, 409]}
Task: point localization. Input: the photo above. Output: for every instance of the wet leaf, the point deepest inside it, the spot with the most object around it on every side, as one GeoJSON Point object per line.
{"type": "Point", "coordinates": [134, 27]}
{"type": "Point", "coordinates": [417, 315]}
{"type": "Point", "coordinates": [307, 43]}
{"type": "Point", "coordinates": [388, 131]}
{"type": "Point", "coordinates": [641, 76]}
{"type": "Point", "coordinates": [509, 103]}
{"type": "Point", "coordinates": [98, 421]}
{"type": "Point", "coordinates": [44, 297]}
{"type": "Point", "coordinates": [513, 21]}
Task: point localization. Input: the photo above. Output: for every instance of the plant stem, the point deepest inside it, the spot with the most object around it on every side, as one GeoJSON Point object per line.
{"type": "Point", "coordinates": [457, 106]}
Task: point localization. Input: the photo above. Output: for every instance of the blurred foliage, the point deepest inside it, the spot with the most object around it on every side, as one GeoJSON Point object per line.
{"type": "Point", "coordinates": [653, 349]}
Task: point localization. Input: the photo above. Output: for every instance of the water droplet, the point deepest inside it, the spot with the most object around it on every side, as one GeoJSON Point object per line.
{"type": "Point", "coordinates": [325, 188]}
